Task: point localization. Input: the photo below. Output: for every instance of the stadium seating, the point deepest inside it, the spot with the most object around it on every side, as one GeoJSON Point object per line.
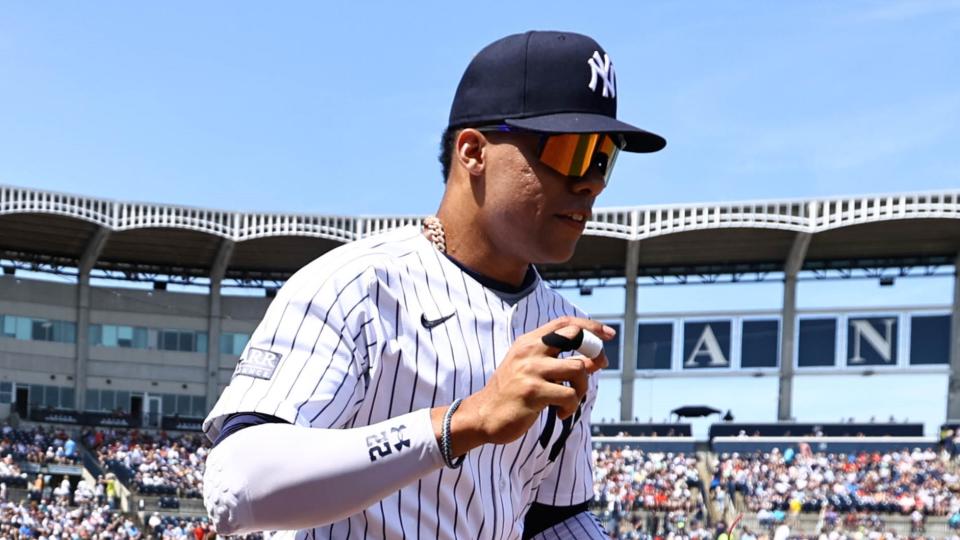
{"type": "Point", "coordinates": [58, 519]}
{"type": "Point", "coordinates": [636, 490]}
{"type": "Point", "coordinates": [37, 445]}
{"type": "Point", "coordinates": [893, 482]}
{"type": "Point", "coordinates": [640, 491]}
{"type": "Point", "coordinates": [152, 465]}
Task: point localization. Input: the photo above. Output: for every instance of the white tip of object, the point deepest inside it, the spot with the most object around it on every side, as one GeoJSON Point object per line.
{"type": "Point", "coordinates": [591, 346]}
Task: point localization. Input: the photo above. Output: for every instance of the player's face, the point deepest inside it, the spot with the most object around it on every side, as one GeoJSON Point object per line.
{"type": "Point", "coordinates": [534, 212]}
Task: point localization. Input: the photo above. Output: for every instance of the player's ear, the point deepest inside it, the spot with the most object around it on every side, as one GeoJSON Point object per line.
{"type": "Point", "coordinates": [470, 151]}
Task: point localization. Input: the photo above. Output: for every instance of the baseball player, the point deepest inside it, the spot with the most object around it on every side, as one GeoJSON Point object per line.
{"type": "Point", "coordinates": [415, 384]}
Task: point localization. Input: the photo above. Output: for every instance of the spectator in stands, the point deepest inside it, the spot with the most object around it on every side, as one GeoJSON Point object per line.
{"type": "Point", "coordinates": [110, 489]}
{"type": "Point", "coordinates": [62, 491]}
{"type": "Point", "coordinates": [70, 449]}
{"type": "Point", "coordinates": [9, 468]}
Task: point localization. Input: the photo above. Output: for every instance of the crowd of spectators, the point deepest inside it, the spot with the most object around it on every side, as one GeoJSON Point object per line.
{"type": "Point", "coordinates": [152, 465]}
{"type": "Point", "coordinates": [38, 445]}
{"type": "Point", "coordinates": [631, 479]}
{"type": "Point", "coordinates": [904, 482]}
{"type": "Point", "coordinates": [639, 492]}
{"type": "Point", "coordinates": [180, 527]}
{"type": "Point", "coordinates": [58, 519]}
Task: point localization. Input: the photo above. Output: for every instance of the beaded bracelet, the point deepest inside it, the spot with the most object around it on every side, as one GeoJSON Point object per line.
{"type": "Point", "coordinates": [446, 448]}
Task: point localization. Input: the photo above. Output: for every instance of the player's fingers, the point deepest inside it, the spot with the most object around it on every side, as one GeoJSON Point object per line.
{"type": "Point", "coordinates": [572, 370]}
{"type": "Point", "coordinates": [596, 364]}
{"type": "Point", "coordinates": [599, 329]}
{"type": "Point", "coordinates": [565, 398]}
{"type": "Point", "coordinates": [571, 337]}
{"type": "Point", "coordinates": [581, 380]}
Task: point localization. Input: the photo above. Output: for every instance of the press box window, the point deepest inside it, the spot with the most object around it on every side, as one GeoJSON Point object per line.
{"type": "Point", "coordinates": [27, 328]}
{"type": "Point", "coordinates": [233, 343]}
{"type": "Point", "coordinates": [109, 335]}
{"type": "Point", "coordinates": [182, 340]}
{"type": "Point", "coordinates": [53, 397]}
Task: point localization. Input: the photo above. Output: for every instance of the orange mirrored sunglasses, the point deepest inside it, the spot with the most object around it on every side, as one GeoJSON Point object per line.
{"type": "Point", "coordinates": [573, 154]}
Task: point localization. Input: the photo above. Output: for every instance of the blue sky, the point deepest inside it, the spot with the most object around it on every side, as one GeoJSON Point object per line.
{"type": "Point", "coordinates": [337, 109]}
{"type": "Point", "coordinates": [298, 106]}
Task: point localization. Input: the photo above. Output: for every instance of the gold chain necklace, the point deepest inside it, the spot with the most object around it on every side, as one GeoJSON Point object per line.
{"type": "Point", "coordinates": [433, 230]}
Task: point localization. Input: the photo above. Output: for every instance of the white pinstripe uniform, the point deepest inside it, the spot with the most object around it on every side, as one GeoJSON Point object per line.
{"type": "Point", "coordinates": [353, 351]}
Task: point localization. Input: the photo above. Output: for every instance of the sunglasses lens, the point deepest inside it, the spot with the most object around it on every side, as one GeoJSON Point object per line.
{"type": "Point", "coordinates": [577, 154]}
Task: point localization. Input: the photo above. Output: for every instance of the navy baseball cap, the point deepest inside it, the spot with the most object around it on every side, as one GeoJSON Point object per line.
{"type": "Point", "coordinates": [548, 82]}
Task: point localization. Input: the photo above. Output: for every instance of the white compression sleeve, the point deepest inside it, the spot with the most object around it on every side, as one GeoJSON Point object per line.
{"type": "Point", "coordinates": [283, 476]}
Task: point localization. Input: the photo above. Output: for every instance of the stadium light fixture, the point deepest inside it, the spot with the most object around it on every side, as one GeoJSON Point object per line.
{"type": "Point", "coordinates": [886, 281]}
{"type": "Point", "coordinates": [586, 290]}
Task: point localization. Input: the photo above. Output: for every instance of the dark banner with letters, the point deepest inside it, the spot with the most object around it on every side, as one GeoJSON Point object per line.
{"type": "Point", "coordinates": [84, 419]}
{"type": "Point", "coordinates": [929, 340]}
{"type": "Point", "coordinates": [177, 423]}
{"type": "Point", "coordinates": [818, 339]}
{"type": "Point", "coordinates": [654, 345]}
{"type": "Point", "coordinates": [760, 344]}
{"type": "Point", "coordinates": [872, 341]}
{"type": "Point", "coordinates": [706, 344]}
{"type": "Point", "coordinates": [111, 420]}
{"type": "Point", "coordinates": [57, 416]}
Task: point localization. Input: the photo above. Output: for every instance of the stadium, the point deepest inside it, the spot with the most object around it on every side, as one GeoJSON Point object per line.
{"type": "Point", "coordinates": [122, 322]}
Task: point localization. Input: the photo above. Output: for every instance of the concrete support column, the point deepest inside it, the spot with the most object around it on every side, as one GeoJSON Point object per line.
{"type": "Point", "coordinates": [953, 392]}
{"type": "Point", "coordinates": [217, 270]}
{"type": "Point", "coordinates": [788, 323]}
{"type": "Point", "coordinates": [628, 367]}
{"type": "Point", "coordinates": [90, 255]}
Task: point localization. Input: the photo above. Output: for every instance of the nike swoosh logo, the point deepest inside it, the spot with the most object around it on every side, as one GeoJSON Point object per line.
{"type": "Point", "coordinates": [430, 323]}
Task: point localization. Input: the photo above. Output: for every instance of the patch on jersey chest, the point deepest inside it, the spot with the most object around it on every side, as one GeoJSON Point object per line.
{"type": "Point", "coordinates": [258, 363]}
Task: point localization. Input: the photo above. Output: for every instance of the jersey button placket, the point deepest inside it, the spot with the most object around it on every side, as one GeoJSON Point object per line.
{"type": "Point", "coordinates": [516, 322]}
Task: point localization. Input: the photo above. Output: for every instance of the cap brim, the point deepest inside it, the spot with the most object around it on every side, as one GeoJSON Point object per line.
{"type": "Point", "coordinates": [637, 140]}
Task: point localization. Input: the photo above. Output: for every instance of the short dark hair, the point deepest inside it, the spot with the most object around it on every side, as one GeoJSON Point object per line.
{"type": "Point", "coordinates": [447, 141]}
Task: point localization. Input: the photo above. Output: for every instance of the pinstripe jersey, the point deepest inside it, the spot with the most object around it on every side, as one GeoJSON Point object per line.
{"type": "Point", "coordinates": [351, 345]}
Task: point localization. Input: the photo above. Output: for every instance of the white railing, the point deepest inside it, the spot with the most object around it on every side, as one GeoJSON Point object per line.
{"type": "Point", "coordinates": [842, 212]}
{"type": "Point", "coordinates": [15, 200]}
{"type": "Point", "coordinates": [375, 225]}
{"type": "Point", "coordinates": [661, 220]}
{"type": "Point", "coordinates": [629, 223]}
{"type": "Point", "coordinates": [129, 216]}
{"type": "Point", "coordinates": [250, 226]}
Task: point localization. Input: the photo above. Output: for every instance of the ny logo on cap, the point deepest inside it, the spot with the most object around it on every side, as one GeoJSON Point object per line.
{"type": "Point", "coordinates": [601, 68]}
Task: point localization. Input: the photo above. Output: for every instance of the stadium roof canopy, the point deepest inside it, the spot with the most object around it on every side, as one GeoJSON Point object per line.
{"type": "Point", "coordinates": [54, 230]}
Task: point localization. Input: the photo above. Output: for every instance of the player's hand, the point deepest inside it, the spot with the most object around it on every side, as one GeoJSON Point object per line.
{"type": "Point", "coordinates": [528, 379]}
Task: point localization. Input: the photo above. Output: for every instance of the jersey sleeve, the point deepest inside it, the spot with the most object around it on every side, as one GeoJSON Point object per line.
{"type": "Point", "coordinates": [306, 361]}
{"type": "Point", "coordinates": [570, 481]}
